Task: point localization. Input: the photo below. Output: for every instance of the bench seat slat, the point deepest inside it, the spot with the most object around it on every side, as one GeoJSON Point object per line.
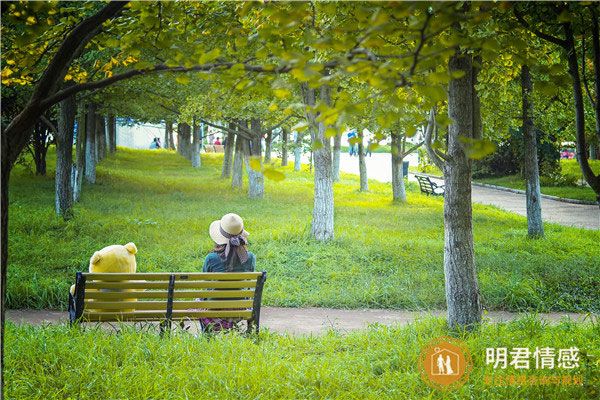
{"type": "Point", "coordinates": [181, 276]}
{"type": "Point", "coordinates": [162, 305]}
{"type": "Point", "coordinates": [137, 284]}
{"type": "Point", "coordinates": [159, 316]}
{"type": "Point", "coordinates": [162, 294]}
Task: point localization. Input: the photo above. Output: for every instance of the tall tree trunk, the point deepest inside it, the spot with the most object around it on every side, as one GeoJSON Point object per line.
{"type": "Point", "coordinates": [268, 147]}
{"type": "Point", "coordinates": [40, 149]}
{"type": "Point", "coordinates": [228, 156]}
{"type": "Point", "coordinates": [101, 137]}
{"type": "Point", "coordinates": [362, 164]}
{"type": "Point", "coordinates": [90, 144]}
{"type": "Point", "coordinates": [7, 164]}
{"type": "Point", "coordinates": [196, 161]}
{"type": "Point", "coordinates": [78, 170]}
{"type": "Point", "coordinates": [596, 53]}
{"type": "Point", "coordinates": [238, 163]}
{"type": "Point", "coordinates": [112, 133]}
{"type": "Point", "coordinates": [284, 146]}
{"type": "Point", "coordinates": [171, 138]}
{"type": "Point", "coordinates": [323, 211]}
{"type": "Point", "coordinates": [168, 134]}
{"type": "Point", "coordinates": [398, 189]}
{"type": "Point", "coordinates": [64, 158]}
{"type": "Point", "coordinates": [462, 290]}
{"type": "Point", "coordinates": [582, 156]}
{"type": "Point", "coordinates": [180, 139]}
{"type": "Point", "coordinates": [535, 226]}
{"type": "Point", "coordinates": [298, 152]}
{"type": "Point", "coordinates": [256, 181]}
{"type": "Point", "coordinates": [337, 151]}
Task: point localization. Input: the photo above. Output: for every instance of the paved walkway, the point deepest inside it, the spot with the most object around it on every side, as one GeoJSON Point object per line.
{"type": "Point", "coordinates": [303, 321]}
{"type": "Point", "coordinates": [579, 215]}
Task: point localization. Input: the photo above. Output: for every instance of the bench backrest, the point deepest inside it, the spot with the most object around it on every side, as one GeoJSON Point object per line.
{"type": "Point", "coordinates": [425, 183]}
{"type": "Point", "coordinates": [167, 296]}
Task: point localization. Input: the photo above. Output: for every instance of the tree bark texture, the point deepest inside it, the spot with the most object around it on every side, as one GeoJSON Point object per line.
{"type": "Point", "coordinates": [268, 146]}
{"type": "Point", "coordinates": [398, 188]}
{"type": "Point", "coordinates": [64, 158]}
{"type": "Point", "coordinates": [298, 152]}
{"type": "Point", "coordinates": [256, 181]}
{"type": "Point", "coordinates": [196, 160]}
{"type": "Point", "coordinates": [228, 156]}
{"type": "Point", "coordinates": [582, 155]}
{"type": "Point", "coordinates": [323, 211]}
{"type": "Point", "coordinates": [112, 133]}
{"type": "Point", "coordinates": [90, 144]}
{"type": "Point", "coordinates": [337, 151]}
{"type": "Point", "coordinates": [238, 163]}
{"type": "Point", "coordinates": [535, 226]}
{"type": "Point", "coordinates": [101, 137]}
{"type": "Point", "coordinates": [168, 134]}
{"type": "Point", "coordinates": [362, 164]}
{"type": "Point", "coordinates": [78, 170]}
{"type": "Point", "coordinates": [40, 148]}
{"type": "Point", "coordinates": [462, 290]}
{"type": "Point", "coordinates": [284, 146]}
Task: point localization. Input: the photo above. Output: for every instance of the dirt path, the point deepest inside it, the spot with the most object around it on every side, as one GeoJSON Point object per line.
{"type": "Point", "coordinates": [302, 321]}
{"type": "Point", "coordinates": [578, 215]}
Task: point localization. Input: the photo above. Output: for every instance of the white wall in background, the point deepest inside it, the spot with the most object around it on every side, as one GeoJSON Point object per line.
{"type": "Point", "coordinates": [139, 136]}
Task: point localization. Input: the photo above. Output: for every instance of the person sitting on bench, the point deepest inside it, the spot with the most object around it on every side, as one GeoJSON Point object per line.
{"type": "Point", "coordinates": [230, 254]}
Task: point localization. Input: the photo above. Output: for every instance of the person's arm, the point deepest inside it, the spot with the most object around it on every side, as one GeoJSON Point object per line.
{"type": "Point", "coordinates": [252, 266]}
{"type": "Point", "coordinates": [205, 267]}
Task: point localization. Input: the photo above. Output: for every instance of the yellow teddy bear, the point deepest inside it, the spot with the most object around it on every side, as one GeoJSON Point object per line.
{"type": "Point", "coordinates": [113, 259]}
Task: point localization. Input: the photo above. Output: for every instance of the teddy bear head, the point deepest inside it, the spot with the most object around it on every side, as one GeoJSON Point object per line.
{"type": "Point", "coordinates": [114, 258]}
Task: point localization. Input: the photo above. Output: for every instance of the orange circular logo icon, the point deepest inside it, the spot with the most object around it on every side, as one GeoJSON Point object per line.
{"type": "Point", "coordinates": [445, 363]}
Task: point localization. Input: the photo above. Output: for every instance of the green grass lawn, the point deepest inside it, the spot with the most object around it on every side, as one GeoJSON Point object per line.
{"type": "Point", "coordinates": [384, 255]}
{"type": "Point", "coordinates": [57, 362]}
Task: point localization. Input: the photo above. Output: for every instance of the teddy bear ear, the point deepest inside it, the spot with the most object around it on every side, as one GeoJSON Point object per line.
{"type": "Point", "coordinates": [96, 258]}
{"type": "Point", "coordinates": [131, 247]}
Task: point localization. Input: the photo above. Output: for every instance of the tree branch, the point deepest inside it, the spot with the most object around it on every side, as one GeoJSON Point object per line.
{"type": "Point", "coordinates": [553, 39]}
{"type": "Point", "coordinates": [438, 158]}
{"type": "Point", "coordinates": [48, 123]}
{"type": "Point", "coordinates": [227, 129]}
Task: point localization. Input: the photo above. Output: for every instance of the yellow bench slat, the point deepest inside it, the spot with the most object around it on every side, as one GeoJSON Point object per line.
{"type": "Point", "coordinates": [162, 305]}
{"type": "Point", "coordinates": [159, 316]}
{"type": "Point", "coordinates": [178, 294]}
{"type": "Point", "coordinates": [164, 285]}
{"type": "Point", "coordinates": [180, 276]}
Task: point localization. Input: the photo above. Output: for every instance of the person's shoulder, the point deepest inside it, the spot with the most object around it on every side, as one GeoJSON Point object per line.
{"type": "Point", "coordinates": [212, 256]}
{"type": "Point", "coordinates": [251, 256]}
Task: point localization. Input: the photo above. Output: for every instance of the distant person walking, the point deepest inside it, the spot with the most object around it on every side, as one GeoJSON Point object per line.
{"type": "Point", "coordinates": [217, 142]}
{"type": "Point", "coordinates": [351, 146]}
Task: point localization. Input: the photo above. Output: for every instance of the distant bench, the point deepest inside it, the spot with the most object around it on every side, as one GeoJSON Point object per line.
{"type": "Point", "coordinates": [429, 187]}
{"type": "Point", "coordinates": [214, 148]}
{"type": "Point", "coordinates": [167, 297]}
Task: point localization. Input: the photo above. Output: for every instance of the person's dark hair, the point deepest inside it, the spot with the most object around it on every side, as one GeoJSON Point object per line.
{"type": "Point", "coordinates": [232, 261]}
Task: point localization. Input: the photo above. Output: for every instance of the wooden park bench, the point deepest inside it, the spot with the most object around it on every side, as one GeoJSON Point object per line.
{"type": "Point", "coordinates": [429, 187]}
{"type": "Point", "coordinates": [166, 297]}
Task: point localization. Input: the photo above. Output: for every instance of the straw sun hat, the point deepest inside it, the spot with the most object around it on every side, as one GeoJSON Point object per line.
{"type": "Point", "coordinates": [230, 224]}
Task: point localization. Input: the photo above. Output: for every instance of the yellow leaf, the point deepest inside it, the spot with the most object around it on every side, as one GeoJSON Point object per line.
{"type": "Point", "coordinates": [282, 93]}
